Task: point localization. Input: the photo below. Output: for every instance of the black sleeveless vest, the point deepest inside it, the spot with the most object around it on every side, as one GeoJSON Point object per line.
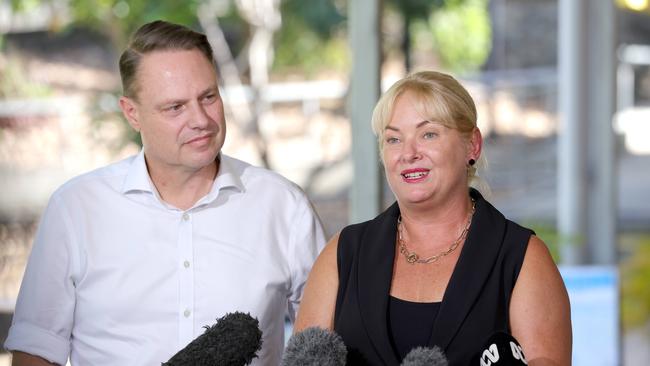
{"type": "Point", "coordinates": [475, 303]}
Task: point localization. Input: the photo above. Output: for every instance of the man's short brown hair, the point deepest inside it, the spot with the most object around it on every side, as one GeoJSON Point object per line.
{"type": "Point", "coordinates": [158, 36]}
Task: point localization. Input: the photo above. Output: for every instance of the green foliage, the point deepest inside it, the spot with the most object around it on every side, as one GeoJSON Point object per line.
{"type": "Point", "coordinates": [25, 5]}
{"type": "Point", "coordinates": [635, 284]}
{"type": "Point", "coordinates": [120, 18]}
{"type": "Point", "coordinates": [15, 84]}
{"type": "Point", "coordinates": [320, 17]}
{"type": "Point", "coordinates": [550, 237]}
{"type": "Point", "coordinates": [416, 9]}
{"type": "Point", "coordinates": [634, 269]}
{"type": "Point", "coordinates": [310, 37]}
{"type": "Point", "coordinates": [462, 34]}
{"type": "Point", "coordinates": [297, 47]}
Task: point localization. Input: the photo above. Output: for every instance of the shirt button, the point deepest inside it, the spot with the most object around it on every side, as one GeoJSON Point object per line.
{"type": "Point", "coordinates": [186, 264]}
{"type": "Point", "coordinates": [187, 313]}
{"type": "Point", "coordinates": [186, 216]}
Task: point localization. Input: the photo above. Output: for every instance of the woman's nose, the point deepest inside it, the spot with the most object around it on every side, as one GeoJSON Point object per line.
{"type": "Point", "coordinates": [411, 151]}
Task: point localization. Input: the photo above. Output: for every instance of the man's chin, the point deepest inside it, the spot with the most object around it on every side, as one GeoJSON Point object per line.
{"type": "Point", "coordinates": [200, 161]}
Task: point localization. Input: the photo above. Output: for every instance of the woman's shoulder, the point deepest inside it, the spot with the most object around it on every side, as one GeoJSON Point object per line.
{"type": "Point", "coordinates": [353, 232]}
{"type": "Point", "coordinates": [510, 239]}
{"type": "Point", "coordinates": [367, 236]}
{"type": "Point", "coordinates": [514, 233]}
{"type": "Point", "coordinates": [387, 217]}
{"type": "Point", "coordinates": [349, 239]}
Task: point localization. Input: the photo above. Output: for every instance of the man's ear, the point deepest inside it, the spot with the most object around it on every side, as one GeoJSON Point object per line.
{"type": "Point", "coordinates": [130, 111]}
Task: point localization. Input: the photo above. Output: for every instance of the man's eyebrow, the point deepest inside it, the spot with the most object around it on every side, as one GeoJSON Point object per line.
{"type": "Point", "coordinates": [169, 102]}
{"type": "Point", "coordinates": [164, 103]}
{"type": "Point", "coordinates": [209, 90]}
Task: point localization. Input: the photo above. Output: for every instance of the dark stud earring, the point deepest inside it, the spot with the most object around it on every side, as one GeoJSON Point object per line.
{"type": "Point", "coordinates": [471, 162]}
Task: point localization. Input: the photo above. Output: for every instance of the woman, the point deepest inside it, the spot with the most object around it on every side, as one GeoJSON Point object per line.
{"type": "Point", "coordinates": [440, 267]}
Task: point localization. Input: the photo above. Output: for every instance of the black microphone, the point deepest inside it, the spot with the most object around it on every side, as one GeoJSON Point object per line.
{"type": "Point", "coordinates": [423, 356]}
{"type": "Point", "coordinates": [314, 346]}
{"type": "Point", "coordinates": [233, 341]}
{"type": "Point", "coordinates": [501, 349]}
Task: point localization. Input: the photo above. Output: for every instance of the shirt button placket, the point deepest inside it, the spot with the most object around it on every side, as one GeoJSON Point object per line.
{"type": "Point", "coordinates": [186, 290]}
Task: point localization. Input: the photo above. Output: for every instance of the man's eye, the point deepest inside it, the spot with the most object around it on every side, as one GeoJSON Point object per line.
{"type": "Point", "coordinates": [210, 98]}
{"type": "Point", "coordinates": [429, 135]}
{"type": "Point", "coordinates": [392, 140]}
{"type": "Point", "coordinates": [174, 108]}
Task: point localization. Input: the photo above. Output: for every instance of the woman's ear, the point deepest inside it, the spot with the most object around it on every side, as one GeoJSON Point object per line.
{"type": "Point", "coordinates": [130, 111]}
{"type": "Point", "coordinates": [475, 145]}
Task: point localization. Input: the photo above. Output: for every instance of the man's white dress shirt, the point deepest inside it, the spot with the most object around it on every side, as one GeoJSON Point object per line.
{"type": "Point", "coordinates": [118, 277]}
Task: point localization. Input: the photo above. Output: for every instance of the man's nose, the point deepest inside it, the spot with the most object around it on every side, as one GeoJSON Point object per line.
{"type": "Point", "coordinates": [200, 117]}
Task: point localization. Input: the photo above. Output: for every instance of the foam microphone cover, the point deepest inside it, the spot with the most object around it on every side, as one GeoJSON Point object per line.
{"type": "Point", "coordinates": [501, 349]}
{"type": "Point", "coordinates": [423, 356]}
{"type": "Point", "coordinates": [233, 341]}
{"type": "Point", "coordinates": [314, 346]}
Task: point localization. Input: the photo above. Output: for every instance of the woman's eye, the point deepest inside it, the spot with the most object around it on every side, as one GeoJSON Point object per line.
{"type": "Point", "coordinates": [392, 140]}
{"type": "Point", "coordinates": [429, 135]}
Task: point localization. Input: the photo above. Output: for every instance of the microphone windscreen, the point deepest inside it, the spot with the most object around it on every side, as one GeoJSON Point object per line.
{"type": "Point", "coordinates": [501, 349]}
{"type": "Point", "coordinates": [423, 356]}
{"type": "Point", "coordinates": [233, 341]}
{"type": "Point", "coordinates": [314, 346]}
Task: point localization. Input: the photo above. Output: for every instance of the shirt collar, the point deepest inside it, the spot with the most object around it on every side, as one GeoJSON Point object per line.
{"type": "Point", "coordinates": [227, 177]}
{"type": "Point", "coordinates": [138, 180]}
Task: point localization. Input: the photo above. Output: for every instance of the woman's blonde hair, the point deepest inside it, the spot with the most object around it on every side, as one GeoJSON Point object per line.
{"type": "Point", "coordinates": [438, 98]}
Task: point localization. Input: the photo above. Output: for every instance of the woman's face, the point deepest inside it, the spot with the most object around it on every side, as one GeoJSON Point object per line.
{"type": "Point", "coordinates": [423, 160]}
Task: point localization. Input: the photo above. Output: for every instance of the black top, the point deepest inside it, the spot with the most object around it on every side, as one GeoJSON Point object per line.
{"type": "Point", "coordinates": [475, 303]}
{"type": "Point", "coordinates": [410, 324]}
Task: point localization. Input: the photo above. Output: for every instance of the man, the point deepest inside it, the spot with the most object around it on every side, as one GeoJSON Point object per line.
{"type": "Point", "coordinates": [133, 259]}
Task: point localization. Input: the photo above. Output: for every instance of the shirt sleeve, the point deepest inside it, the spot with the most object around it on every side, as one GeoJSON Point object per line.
{"type": "Point", "coordinates": [43, 317]}
{"type": "Point", "coordinates": [307, 241]}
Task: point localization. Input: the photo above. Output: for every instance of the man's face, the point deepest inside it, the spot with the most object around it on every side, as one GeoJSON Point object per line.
{"type": "Point", "coordinates": [178, 111]}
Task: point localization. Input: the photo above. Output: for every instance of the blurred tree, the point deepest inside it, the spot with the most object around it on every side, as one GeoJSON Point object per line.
{"type": "Point", "coordinates": [635, 275]}
{"type": "Point", "coordinates": [14, 82]}
{"type": "Point", "coordinates": [460, 30]}
{"type": "Point", "coordinates": [462, 34]}
{"type": "Point", "coordinates": [413, 10]}
{"type": "Point", "coordinates": [25, 5]}
{"type": "Point", "coordinates": [118, 19]}
{"type": "Point", "coordinates": [312, 37]}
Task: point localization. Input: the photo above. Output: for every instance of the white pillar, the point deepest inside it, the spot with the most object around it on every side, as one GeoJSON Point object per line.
{"type": "Point", "coordinates": [571, 135]}
{"type": "Point", "coordinates": [364, 29]}
{"type": "Point", "coordinates": [602, 208]}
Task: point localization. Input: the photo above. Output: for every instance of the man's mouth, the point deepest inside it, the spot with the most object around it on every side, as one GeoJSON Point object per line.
{"type": "Point", "coordinates": [198, 138]}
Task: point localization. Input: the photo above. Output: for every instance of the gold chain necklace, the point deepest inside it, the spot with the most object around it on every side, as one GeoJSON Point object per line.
{"type": "Point", "coordinates": [412, 257]}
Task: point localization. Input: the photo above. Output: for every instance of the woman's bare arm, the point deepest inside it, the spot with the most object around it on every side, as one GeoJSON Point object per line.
{"type": "Point", "coordinates": [319, 300]}
{"type": "Point", "coordinates": [540, 315]}
{"type": "Point", "coordinates": [26, 359]}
